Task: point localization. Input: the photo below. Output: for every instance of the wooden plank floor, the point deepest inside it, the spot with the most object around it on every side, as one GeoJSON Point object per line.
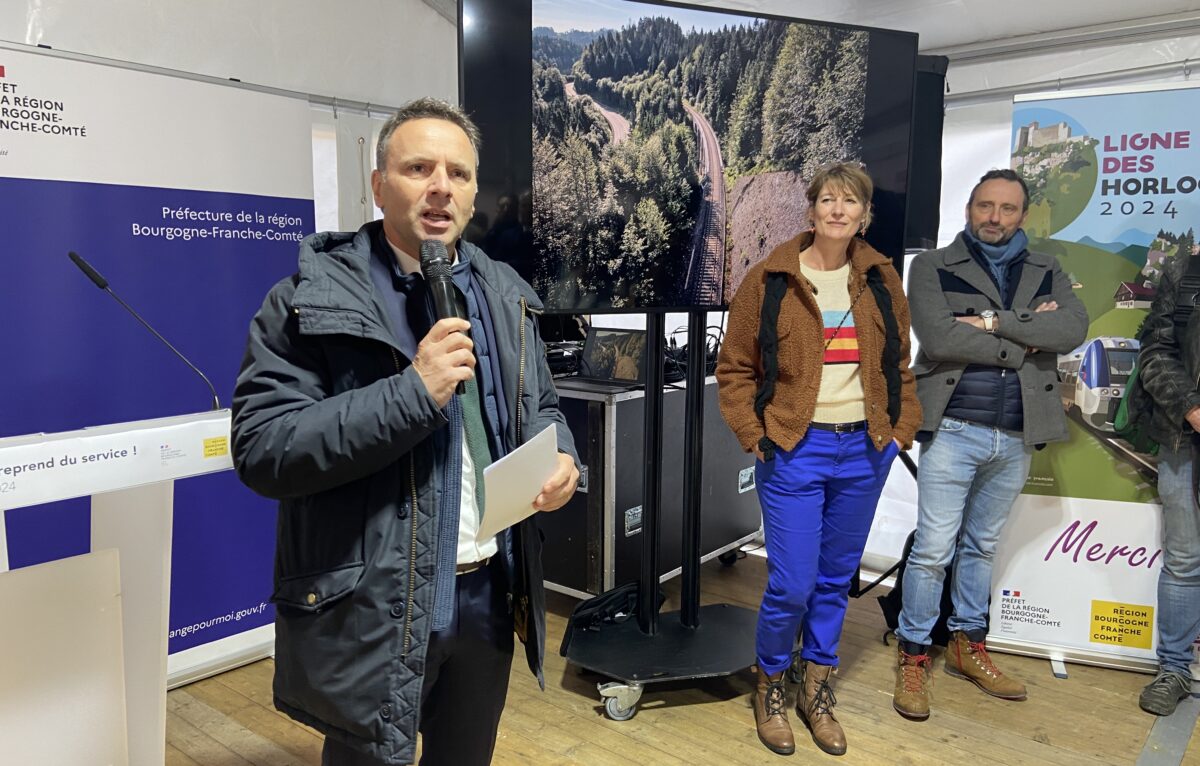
{"type": "Point", "coordinates": [1090, 718]}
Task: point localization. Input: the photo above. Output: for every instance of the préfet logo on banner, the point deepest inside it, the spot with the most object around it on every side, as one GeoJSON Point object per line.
{"type": "Point", "coordinates": [1016, 609]}
{"type": "Point", "coordinates": [31, 112]}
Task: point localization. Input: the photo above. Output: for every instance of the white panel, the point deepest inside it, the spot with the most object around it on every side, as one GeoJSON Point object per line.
{"type": "Point", "coordinates": [356, 136]}
{"type": "Point", "coordinates": [3, 541]}
{"type": "Point", "coordinates": [137, 522]}
{"type": "Point", "coordinates": [218, 656]}
{"type": "Point", "coordinates": [378, 51]}
{"type": "Point", "coordinates": [975, 140]}
{"type": "Point", "coordinates": [118, 126]}
{"type": "Point", "coordinates": [1059, 558]}
{"type": "Point", "coordinates": [1051, 64]}
{"type": "Point", "coordinates": [62, 693]}
{"type": "Point", "coordinates": [325, 171]}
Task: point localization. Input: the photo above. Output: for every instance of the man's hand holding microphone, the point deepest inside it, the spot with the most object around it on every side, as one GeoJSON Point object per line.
{"type": "Point", "coordinates": [445, 360]}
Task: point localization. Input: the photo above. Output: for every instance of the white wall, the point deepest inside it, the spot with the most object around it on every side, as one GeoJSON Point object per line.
{"type": "Point", "coordinates": [376, 51]}
{"type": "Point", "coordinates": [382, 52]}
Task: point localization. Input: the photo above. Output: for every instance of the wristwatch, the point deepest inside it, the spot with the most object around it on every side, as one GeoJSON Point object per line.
{"type": "Point", "coordinates": [989, 320]}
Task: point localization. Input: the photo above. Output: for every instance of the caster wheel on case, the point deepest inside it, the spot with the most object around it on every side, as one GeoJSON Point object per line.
{"type": "Point", "coordinates": [613, 709]}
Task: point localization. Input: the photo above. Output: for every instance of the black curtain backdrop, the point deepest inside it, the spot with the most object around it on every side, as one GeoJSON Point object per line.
{"type": "Point", "coordinates": [925, 172]}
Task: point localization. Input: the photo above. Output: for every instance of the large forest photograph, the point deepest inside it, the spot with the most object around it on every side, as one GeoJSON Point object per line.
{"type": "Point", "coordinates": [670, 146]}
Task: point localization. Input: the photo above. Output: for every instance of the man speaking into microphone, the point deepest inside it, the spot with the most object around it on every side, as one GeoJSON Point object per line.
{"type": "Point", "coordinates": [370, 409]}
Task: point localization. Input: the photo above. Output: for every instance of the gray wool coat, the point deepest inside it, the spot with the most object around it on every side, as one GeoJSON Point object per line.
{"type": "Point", "coordinates": [948, 283]}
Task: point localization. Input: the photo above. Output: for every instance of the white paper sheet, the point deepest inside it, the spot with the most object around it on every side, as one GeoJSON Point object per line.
{"type": "Point", "coordinates": [513, 482]}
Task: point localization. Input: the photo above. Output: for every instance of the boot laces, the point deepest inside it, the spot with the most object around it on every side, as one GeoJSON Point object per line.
{"type": "Point", "coordinates": [1169, 683]}
{"type": "Point", "coordinates": [912, 671]}
{"type": "Point", "coordinates": [823, 700]}
{"type": "Point", "coordinates": [981, 657]}
{"type": "Point", "coordinates": [776, 699]}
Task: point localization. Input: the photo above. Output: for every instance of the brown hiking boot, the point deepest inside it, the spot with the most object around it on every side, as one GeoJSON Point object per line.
{"type": "Point", "coordinates": [815, 706]}
{"type": "Point", "coordinates": [911, 698]}
{"type": "Point", "coordinates": [970, 660]}
{"type": "Point", "coordinates": [770, 713]}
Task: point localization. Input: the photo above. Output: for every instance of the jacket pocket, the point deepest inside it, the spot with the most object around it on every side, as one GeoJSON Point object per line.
{"type": "Point", "coordinates": [314, 592]}
{"type": "Point", "coordinates": [324, 532]}
{"type": "Point", "coordinates": [951, 425]}
{"type": "Point", "coordinates": [923, 367]}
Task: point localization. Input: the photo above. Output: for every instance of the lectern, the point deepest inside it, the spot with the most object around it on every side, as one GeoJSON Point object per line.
{"type": "Point", "coordinates": [63, 614]}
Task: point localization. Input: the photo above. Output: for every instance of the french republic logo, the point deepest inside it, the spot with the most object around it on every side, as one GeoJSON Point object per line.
{"type": "Point", "coordinates": [1014, 593]}
{"type": "Point", "coordinates": [1, 70]}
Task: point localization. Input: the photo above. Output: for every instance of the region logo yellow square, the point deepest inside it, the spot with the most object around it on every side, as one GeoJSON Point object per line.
{"type": "Point", "coordinates": [1118, 624]}
{"type": "Point", "coordinates": [217, 446]}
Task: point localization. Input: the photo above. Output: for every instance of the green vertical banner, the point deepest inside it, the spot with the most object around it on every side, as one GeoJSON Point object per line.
{"type": "Point", "coordinates": [1113, 195]}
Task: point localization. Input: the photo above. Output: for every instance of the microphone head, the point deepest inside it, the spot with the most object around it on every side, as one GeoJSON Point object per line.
{"type": "Point", "coordinates": [87, 269]}
{"type": "Point", "coordinates": [435, 261]}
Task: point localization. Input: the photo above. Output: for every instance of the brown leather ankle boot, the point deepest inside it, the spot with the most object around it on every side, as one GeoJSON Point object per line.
{"type": "Point", "coordinates": [816, 708]}
{"type": "Point", "coordinates": [970, 660]}
{"type": "Point", "coordinates": [770, 713]}
{"type": "Point", "coordinates": [913, 682]}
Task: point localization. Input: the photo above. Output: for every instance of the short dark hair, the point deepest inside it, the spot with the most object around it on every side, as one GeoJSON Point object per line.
{"type": "Point", "coordinates": [425, 109]}
{"type": "Point", "coordinates": [1002, 174]}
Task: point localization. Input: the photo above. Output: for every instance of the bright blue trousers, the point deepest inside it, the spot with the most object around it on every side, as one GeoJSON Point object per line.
{"type": "Point", "coordinates": [818, 501]}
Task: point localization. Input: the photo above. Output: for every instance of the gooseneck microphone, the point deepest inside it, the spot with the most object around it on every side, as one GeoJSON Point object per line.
{"type": "Point", "coordinates": [435, 267]}
{"type": "Point", "coordinates": [102, 283]}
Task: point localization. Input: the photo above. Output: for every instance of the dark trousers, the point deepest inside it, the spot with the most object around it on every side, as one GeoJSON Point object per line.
{"type": "Point", "coordinates": [466, 678]}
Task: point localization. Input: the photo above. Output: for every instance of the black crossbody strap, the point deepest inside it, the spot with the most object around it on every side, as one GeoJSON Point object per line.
{"type": "Point", "coordinates": [768, 339]}
{"type": "Point", "coordinates": [891, 342]}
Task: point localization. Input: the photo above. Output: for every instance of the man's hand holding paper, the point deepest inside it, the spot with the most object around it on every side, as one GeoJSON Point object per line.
{"type": "Point", "coordinates": [534, 477]}
{"type": "Point", "coordinates": [558, 488]}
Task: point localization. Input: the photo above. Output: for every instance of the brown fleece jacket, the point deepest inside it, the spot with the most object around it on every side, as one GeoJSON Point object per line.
{"type": "Point", "coordinates": [801, 347]}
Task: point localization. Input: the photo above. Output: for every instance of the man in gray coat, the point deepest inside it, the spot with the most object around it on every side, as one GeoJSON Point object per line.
{"type": "Point", "coordinates": [991, 318]}
{"type": "Point", "coordinates": [393, 614]}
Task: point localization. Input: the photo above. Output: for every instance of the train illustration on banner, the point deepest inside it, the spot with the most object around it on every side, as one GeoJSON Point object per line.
{"type": "Point", "coordinates": [1094, 377]}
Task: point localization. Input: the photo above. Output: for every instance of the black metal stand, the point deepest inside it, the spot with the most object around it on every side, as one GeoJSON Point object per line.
{"type": "Point", "coordinates": [715, 640]}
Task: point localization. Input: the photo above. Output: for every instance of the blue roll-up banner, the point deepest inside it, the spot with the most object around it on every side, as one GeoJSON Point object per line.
{"type": "Point", "coordinates": [190, 198]}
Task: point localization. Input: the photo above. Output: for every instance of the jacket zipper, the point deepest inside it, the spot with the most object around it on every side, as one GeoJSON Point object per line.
{"type": "Point", "coordinates": [521, 373]}
{"type": "Point", "coordinates": [521, 608]}
{"type": "Point", "coordinates": [412, 550]}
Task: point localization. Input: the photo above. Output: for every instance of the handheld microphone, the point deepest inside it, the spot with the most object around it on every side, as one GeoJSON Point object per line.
{"type": "Point", "coordinates": [102, 283]}
{"type": "Point", "coordinates": [435, 266]}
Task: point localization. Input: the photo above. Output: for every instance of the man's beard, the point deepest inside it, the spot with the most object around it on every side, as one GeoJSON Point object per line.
{"type": "Point", "coordinates": [977, 232]}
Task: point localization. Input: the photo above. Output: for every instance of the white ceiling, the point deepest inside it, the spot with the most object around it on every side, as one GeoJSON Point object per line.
{"type": "Point", "coordinates": [944, 24]}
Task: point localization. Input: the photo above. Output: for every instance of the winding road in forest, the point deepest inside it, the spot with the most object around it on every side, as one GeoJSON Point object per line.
{"type": "Point", "coordinates": [619, 125]}
{"type": "Point", "coordinates": [706, 255]}
{"type": "Point", "coordinates": [705, 264]}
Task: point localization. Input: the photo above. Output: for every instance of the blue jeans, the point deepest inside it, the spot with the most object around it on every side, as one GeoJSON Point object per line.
{"type": "Point", "coordinates": [818, 502]}
{"type": "Point", "coordinates": [1179, 580]}
{"type": "Point", "coordinates": [967, 481]}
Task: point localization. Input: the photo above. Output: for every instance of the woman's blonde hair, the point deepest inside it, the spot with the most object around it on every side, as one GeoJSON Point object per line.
{"type": "Point", "coordinates": [847, 176]}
